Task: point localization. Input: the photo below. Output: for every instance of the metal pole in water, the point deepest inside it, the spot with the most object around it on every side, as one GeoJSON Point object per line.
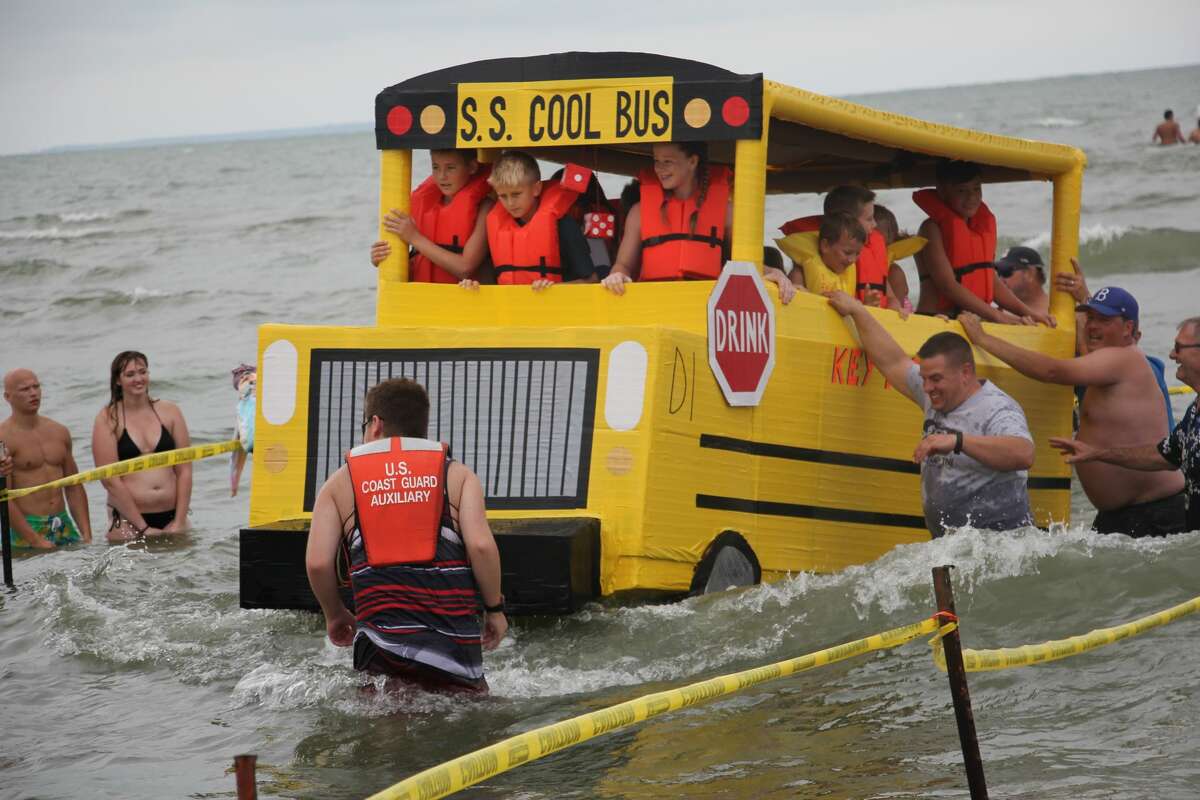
{"type": "Point", "coordinates": [952, 645]}
{"type": "Point", "coordinates": [5, 533]}
{"type": "Point", "coordinates": [243, 767]}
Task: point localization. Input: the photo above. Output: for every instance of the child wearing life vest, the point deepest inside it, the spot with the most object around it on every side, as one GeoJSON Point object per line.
{"type": "Point", "coordinates": [532, 238]}
{"type": "Point", "coordinates": [446, 225]}
{"type": "Point", "coordinates": [679, 227]}
{"type": "Point", "coordinates": [957, 266]}
{"type": "Point", "coordinates": [872, 268]}
{"type": "Point", "coordinates": [825, 259]}
{"type": "Point", "coordinates": [899, 245]}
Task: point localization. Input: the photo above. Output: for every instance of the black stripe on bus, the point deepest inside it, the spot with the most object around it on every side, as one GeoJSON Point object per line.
{"type": "Point", "coordinates": [767, 508]}
{"type": "Point", "coordinates": [843, 459]}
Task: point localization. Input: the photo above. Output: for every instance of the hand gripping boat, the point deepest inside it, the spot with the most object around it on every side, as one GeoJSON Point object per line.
{"type": "Point", "coordinates": [688, 436]}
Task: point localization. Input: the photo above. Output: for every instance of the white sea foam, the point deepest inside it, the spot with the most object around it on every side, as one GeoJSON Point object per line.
{"type": "Point", "coordinates": [1058, 122]}
{"type": "Point", "coordinates": [142, 293]}
{"type": "Point", "coordinates": [1099, 233]}
{"type": "Point", "coordinates": [85, 216]}
{"type": "Point", "coordinates": [53, 233]}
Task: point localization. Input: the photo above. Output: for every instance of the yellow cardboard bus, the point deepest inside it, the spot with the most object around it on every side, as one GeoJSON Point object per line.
{"type": "Point", "coordinates": [668, 440]}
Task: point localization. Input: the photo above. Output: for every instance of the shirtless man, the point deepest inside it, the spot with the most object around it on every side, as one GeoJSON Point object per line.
{"type": "Point", "coordinates": [39, 452]}
{"type": "Point", "coordinates": [1121, 408]}
{"type": "Point", "coordinates": [1168, 131]}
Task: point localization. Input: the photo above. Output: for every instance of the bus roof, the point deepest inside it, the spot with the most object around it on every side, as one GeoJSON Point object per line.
{"type": "Point", "coordinates": [604, 110]}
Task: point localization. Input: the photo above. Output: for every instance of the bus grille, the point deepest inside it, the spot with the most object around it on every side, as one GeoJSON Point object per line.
{"type": "Point", "coordinates": [521, 419]}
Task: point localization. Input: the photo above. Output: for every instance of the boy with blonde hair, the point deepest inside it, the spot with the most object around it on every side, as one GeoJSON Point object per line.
{"type": "Point", "coordinates": [532, 238]}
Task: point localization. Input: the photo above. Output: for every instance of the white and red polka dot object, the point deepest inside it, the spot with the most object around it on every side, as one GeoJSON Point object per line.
{"type": "Point", "coordinates": [599, 225]}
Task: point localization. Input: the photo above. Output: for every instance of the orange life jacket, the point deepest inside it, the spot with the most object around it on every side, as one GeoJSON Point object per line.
{"type": "Point", "coordinates": [872, 264]}
{"type": "Point", "coordinates": [399, 486]}
{"type": "Point", "coordinates": [448, 226]}
{"type": "Point", "coordinates": [525, 253]}
{"type": "Point", "coordinates": [970, 245]}
{"type": "Point", "coordinates": [670, 250]}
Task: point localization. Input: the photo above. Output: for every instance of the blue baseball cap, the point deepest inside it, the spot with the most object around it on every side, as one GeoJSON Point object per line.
{"type": "Point", "coordinates": [1112, 301]}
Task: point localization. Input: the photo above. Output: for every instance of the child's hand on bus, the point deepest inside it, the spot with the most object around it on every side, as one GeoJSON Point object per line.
{"type": "Point", "coordinates": [541, 284]}
{"type": "Point", "coordinates": [467, 283]}
{"type": "Point", "coordinates": [873, 298]}
{"type": "Point", "coordinates": [401, 224]}
{"type": "Point", "coordinates": [787, 289]}
{"type": "Point", "coordinates": [615, 281]}
{"type": "Point", "coordinates": [379, 253]}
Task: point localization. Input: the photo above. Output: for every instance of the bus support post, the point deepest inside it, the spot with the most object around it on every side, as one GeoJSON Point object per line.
{"type": "Point", "coordinates": [243, 768]}
{"type": "Point", "coordinates": [944, 593]}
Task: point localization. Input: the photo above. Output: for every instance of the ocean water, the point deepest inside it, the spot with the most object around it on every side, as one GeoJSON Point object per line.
{"type": "Point", "coordinates": [129, 672]}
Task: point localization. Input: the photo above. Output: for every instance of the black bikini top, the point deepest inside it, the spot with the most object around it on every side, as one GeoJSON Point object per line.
{"type": "Point", "coordinates": [127, 448]}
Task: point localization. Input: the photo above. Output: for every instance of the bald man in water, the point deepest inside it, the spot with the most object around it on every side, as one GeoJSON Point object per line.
{"type": "Point", "coordinates": [39, 451]}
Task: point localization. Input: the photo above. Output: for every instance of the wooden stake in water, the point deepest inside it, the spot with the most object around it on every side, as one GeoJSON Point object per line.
{"type": "Point", "coordinates": [243, 768]}
{"type": "Point", "coordinates": [952, 645]}
{"type": "Point", "coordinates": [6, 546]}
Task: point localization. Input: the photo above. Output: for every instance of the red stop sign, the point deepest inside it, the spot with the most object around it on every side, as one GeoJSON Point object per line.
{"type": "Point", "coordinates": [741, 334]}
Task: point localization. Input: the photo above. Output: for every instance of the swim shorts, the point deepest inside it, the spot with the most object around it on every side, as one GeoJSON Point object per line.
{"type": "Point", "coordinates": [1156, 518]}
{"type": "Point", "coordinates": [58, 528]}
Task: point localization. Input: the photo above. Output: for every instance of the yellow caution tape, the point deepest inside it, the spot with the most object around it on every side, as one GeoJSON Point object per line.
{"type": "Point", "coordinates": [167, 458]}
{"type": "Point", "coordinates": [464, 771]}
{"type": "Point", "coordinates": [1181, 390]}
{"type": "Point", "coordinates": [1030, 654]}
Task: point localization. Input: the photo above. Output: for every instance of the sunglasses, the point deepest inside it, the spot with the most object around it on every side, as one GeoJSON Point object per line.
{"type": "Point", "coordinates": [365, 423]}
{"type": "Point", "coordinates": [1177, 346]}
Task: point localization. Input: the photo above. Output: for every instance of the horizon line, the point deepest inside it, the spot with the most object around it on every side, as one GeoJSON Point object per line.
{"type": "Point", "coordinates": [332, 128]}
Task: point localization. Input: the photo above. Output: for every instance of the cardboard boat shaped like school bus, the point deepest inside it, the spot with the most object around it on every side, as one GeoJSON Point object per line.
{"type": "Point", "coordinates": [627, 444]}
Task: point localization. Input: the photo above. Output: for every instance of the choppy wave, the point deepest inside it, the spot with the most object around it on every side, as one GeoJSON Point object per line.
{"type": "Point", "coordinates": [31, 268]}
{"type": "Point", "coordinates": [289, 222]}
{"type": "Point", "coordinates": [74, 217]}
{"type": "Point", "coordinates": [54, 233]}
{"type": "Point", "coordinates": [106, 297]}
{"type": "Point", "coordinates": [1105, 249]}
{"type": "Point", "coordinates": [1058, 122]}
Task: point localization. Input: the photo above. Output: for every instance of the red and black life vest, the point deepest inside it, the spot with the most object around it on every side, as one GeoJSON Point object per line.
{"type": "Point", "coordinates": [399, 494]}
{"type": "Point", "coordinates": [525, 253]}
{"type": "Point", "coordinates": [872, 265]}
{"type": "Point", "coordinates": [970, 245]}
{"type": "Point", "coordinates": [447, 225]}
{"type": "Point", "coordinates": [675, 249]}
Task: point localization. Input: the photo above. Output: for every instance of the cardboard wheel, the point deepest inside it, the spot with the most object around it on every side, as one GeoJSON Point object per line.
{"type": "Point", "coordinates": [728, 563]}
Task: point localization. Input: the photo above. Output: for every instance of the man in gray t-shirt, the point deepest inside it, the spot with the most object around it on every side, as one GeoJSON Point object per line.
{"type": "Point", "coordinates": [976, 450]}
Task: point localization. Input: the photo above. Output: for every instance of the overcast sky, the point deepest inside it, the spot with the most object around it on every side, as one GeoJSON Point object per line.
{"type": "Point", "coordinates": [86, 72]}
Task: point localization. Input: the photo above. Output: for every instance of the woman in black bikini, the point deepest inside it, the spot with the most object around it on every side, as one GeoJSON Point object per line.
{"type": "Point", "coordinates": [153, 502]}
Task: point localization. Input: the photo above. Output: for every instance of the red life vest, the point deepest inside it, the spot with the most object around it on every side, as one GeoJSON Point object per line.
{"type": "Point", "coordinates": [448, 226]}
{"type": "Point", "coordinates": [399, 489]}
{"type": "Point", "coordinates": [970, 245]}
{"type": "Point", "coordinates": [671, 251]}
{"type": "Point", "coordinates": [526, 253]}
{"type": "Point", "coordinates": [872, 264]}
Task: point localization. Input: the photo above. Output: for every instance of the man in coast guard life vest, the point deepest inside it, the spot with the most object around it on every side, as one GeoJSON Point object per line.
{"type": "Point", "coordinates": [423, 562]}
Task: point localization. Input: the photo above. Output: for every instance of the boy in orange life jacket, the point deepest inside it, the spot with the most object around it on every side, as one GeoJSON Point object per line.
{"type": "Point", "coordinates": [410, 519]}
{"type": "Point", "coordinates": [872, 268]}
{"type": "Point", "coordinates": [447, 225]}
{"type": "Point", "coordinates": [532, 238]}
{"type": "Point", "coordinates": [956, 266]}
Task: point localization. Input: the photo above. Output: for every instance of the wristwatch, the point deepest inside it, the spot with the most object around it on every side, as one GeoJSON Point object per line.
{"type": "Point", "coordinates": [496, 609]}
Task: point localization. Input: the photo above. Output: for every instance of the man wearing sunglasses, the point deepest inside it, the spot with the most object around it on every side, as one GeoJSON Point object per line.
{"type": "Point", "coordinates": [423, 562]}
{"type": "Point", "coordinates": [1180, 450]}
{"type": "Point", "coordinates": [1122, 407]}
